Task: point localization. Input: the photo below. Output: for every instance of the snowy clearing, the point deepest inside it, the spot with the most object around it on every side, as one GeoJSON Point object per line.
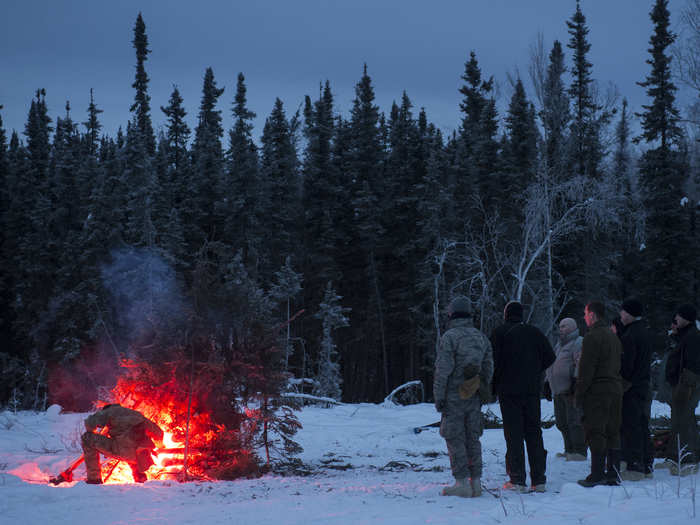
{"type": "Point", "coordinates": [368, 467]}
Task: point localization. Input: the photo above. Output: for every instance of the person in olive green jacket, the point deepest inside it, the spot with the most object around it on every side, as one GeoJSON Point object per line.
{"type": "Point", "coordinates": [599, 393]}
{"type": "Point", "coordinates": [129, 438]}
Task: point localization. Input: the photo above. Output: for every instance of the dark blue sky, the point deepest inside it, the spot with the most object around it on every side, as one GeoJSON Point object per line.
{"type": "Point", "coordinates": [285, 48]}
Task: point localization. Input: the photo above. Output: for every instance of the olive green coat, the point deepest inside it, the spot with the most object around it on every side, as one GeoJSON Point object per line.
{"type": "Point", "coordinates": [599, 365]}
{"type": "Point", "coordinates": [599, 388]}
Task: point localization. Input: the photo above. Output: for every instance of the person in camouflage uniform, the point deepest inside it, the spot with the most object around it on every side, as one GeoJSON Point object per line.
{"type": "Point", "coordinates": [129, 439]}
{"type": "Point", "coordinates": [463, 370]}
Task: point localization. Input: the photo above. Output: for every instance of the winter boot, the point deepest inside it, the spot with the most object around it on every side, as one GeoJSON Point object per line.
{"type": "Point", "coordinates": [476, 487]}
{"type": "Point", "coordinates": [516, 487]}
{"type": "Point", "coordinates": [597, 475]}
{"type": "Point", "coordinates": [612, 473]}
{"type": "Point", "coordinates": [140, 477]}
{"type": "Point", "coordinates": [461, 488]}
{"type": "Point", "coordinates": [93, 481]}
{"type": "Point", "coordinates": [634, 472]}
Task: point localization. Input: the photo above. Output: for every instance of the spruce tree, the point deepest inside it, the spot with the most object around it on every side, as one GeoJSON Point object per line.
{"type": "Point", "coordinates": [5, 241]}
{"type": "Point", "coordinates": [321, 204]}
{"type": "Point", "coordinates": [66, 193]}
{"type": "Point", "coordinates": [333, 316]}
{"type": "Point", "coordinates": [92, 126]}
{"type": "Point", "coordinates": [173, 175]}
{"type": "Point", "coordinates": [204, 217]}
{"type": "Point", "coordinates": [279, 171]}
{"type": "Point", "coordinates": [139, 180]}
{"type": "Point", "coordinates": [660, 119]}
{"type": "Point", "coordinates": [403, 174]}
{"type": "Point", "coordinates": [580, 89]}
{"type": "Point", "coordinates": [555, 114]}
{"type": "Point", "coordinates": [142, 100]}
{"type": "Point", "coordinates": [628, 237]}
{"type": "Point", "coordinates": [177, 134]}
{"type": "Point", "coordinates": [361, 283]}
{"type": "Point", "coordinates": [478, 155]}
{"type": "Point", "coordinates": [34, 254]}
{"type": "Point", "coordinates": [285, 289]}
{"type": "Point", "coordinates": [243, 226]}
{"type": "Point", "coordinates": [663, 176]}
{"type": "Point", "coordinates": [520, 155]}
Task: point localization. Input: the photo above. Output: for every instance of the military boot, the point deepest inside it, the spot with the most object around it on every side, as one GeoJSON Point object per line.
{"type": "Point", "coordinates": [612, 474]}
{"type": "Point", "coordinates": [461, 488]}
{"type": "Point", "coordinates": [597, 475]}
{"type": "Point", "coordinates": [476, 487]}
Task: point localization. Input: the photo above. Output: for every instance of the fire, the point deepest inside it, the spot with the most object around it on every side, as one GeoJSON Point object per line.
{"type": "Point", "coordinates": [166, 465]}
{"type": "Point", "coordinates": [187, 422]}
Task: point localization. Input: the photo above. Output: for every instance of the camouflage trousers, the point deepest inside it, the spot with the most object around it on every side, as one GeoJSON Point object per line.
{"type": "Point", "coordinates": [93, 444]}
{"type": "Point", "coordinates": [461, 426]}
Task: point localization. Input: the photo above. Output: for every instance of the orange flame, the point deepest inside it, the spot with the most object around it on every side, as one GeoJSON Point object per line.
{"type": "Point", "coordinates": [169, 412]}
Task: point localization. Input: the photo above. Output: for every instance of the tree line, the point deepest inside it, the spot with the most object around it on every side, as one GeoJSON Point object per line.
{"type": "Point", "coordinates": [370, 222]}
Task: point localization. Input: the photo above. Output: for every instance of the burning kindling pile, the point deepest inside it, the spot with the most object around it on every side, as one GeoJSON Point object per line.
{"type": "Point", "coordinates": [206, 433]}
{"type": "Point", "coordinates": [217, 405]}
{"type": "Point", "coordinates": [206, 436]}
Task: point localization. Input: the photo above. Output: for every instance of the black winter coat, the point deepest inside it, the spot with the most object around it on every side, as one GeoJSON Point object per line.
{"type": "Point", "coordinates": [521, 353]}
{"type": "Point", "coordinates": [636, 357]}
{"type": "Point", "coordinates": [685, 355]}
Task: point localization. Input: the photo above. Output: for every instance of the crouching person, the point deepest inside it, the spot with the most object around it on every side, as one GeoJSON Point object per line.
{"type": "Point", "coordinates": [128, 438]}
{"type": "Point", "coordinates": [463, 367]}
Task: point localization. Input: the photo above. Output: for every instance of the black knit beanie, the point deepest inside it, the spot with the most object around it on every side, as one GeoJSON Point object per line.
{"type": "Point", "coordinates": [633, 307]}
{"type": "Point", "coordinates": [514, 310]}
{"type": "Point", "coordinates": [688, 312]}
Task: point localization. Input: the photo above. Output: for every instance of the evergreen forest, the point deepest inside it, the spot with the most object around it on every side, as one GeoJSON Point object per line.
{"type": "Point", "coordinates": [341, 236]}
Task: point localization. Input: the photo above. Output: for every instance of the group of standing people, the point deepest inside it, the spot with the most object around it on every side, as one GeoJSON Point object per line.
{"type": "Point", "coordinates": [600, 386]}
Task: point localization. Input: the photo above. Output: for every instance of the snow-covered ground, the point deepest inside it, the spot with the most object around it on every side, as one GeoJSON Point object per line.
{"type": "Point", "coordinates": [369, 467]}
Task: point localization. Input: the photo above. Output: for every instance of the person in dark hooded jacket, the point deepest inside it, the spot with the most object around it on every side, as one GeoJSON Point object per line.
{"type": "Point", "coordinates": [635, 370]}
{"type": "Point", "coordinates": [683, 374]}
{"type": "Point", "coordinates": [521, 354]}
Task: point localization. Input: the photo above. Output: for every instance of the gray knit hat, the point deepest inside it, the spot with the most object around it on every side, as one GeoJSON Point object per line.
{"type": "Point", "coordinates": [460, 305]}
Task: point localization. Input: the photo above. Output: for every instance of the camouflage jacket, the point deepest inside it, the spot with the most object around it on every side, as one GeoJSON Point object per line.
{"type": "Point", "coordinates": [461, 346]}
{"type": "Point", "coordinates": [129, 427]}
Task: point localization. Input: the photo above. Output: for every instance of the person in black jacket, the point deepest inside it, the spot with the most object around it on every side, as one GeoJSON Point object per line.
{"type": "Point", "coordinates": [683, 374]}
{"type": "Point", "coordinates": [635, 369]}
{"type": "Point", "coordinates": [521, 354]}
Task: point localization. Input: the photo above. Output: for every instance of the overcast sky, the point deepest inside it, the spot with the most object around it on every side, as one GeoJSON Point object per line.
{"type": "Point", "coordinates": [285, 48]}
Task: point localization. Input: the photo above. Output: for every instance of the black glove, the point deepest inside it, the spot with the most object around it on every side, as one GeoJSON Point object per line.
{"type": "Point", "coordinates": [485, 393]}
{"type": "Point", "coordinates": [440, 405]}
{"type": "Point", "coordinates": [547, 391]}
